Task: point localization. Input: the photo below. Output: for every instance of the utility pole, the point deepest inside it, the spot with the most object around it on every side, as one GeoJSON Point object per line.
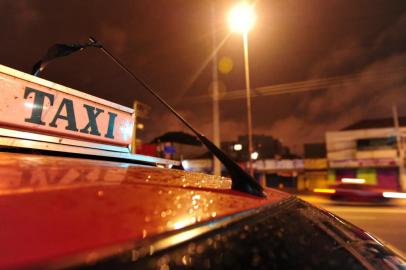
{"type": "Point", "coordinates": [400, 149]}
{"type": "Point", "coordinates": [215, 95]}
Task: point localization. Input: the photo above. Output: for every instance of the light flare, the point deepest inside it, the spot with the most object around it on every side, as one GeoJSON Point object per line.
{"type": "Point", "coordinates": [237, 147]}
{"type": "Point", "coordinates": [126, 130]}
{"type": "Point", "coordinates": [140, 126]}
{"type": "Point", "coordinates": [29, 105]}
{"type": "Point", "coordinates": [254, 155]}
{"type": "Point", "coordinates": [225, 65]}
{"type": "Point", "coordinates": [242, 17]}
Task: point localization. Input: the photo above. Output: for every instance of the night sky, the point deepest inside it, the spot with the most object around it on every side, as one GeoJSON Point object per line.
{"type": "Point", "coordinates": [168, 42]}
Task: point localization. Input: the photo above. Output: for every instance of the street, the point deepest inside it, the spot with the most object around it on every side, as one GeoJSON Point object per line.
{"type": "Point", "coordinates": [387, 222]}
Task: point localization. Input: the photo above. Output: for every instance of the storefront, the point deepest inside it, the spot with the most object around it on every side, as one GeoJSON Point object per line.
{"type": "Point", "coordinates": [382, 173]}
{"type": "Point", "coordinates": [284, 173]}
{"type": "Point", "coordinates": [315, 173]}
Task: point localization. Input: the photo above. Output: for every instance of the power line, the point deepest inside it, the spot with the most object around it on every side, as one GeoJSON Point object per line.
{"type": "Point", "coordinates": [306, 86]}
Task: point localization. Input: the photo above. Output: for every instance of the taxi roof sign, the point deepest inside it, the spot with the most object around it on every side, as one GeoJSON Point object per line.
{"type": "Point", "coordinates": [36, 105]}
{"type": "Point", "coordinates": [42, 115]}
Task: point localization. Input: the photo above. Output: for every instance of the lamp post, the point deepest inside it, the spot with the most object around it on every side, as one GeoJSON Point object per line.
{"type": "Point", "coordinates": [242, 19]}
{"type": "Point", "coordinates": [216, 114]}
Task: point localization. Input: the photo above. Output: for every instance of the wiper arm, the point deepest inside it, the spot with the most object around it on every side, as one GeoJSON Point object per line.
{"type": "Point", "coordinates": [241, 180]}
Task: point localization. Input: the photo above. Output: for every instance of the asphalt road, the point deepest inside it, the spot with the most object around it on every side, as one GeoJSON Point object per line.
{"type": "Point", "coordinates": [387, 222]}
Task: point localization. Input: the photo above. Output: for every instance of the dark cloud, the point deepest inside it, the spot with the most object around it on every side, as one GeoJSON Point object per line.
{"type": "Point", "coordinates": [27, 15]}
{"type": "Point", "coordinates": [381, 83]}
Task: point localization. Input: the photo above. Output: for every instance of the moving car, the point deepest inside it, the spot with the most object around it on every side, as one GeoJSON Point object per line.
{"type": "Point", "coordinates": [72, 195]}
{"type": "Point", "coordinates": [355, 190]}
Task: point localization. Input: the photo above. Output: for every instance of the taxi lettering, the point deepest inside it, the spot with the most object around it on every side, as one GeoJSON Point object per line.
{"type": "Point", "coordinates": [66, 113]}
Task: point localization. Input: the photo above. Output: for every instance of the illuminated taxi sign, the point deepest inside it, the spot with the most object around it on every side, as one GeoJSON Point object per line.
{"type": "Point", "coordinates": [33, 104]}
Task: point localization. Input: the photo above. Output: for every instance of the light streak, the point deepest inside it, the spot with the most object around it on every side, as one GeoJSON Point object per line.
{"type": "Point", "coordinates": [324, 190]}
{"type": "Point", "coordinates": [353, 180]}
{"type": "Point", "coordinates": [394, 195]}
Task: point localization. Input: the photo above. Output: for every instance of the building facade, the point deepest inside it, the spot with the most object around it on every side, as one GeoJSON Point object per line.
{"type": "Point", "coordinates": [315, 166]}
{"type": "Point", "coordinates": [266, 146]}
{"type": "Point", "coordinates": [367, 150]}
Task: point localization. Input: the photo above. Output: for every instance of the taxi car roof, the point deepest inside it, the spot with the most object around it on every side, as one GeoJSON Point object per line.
{"type": "Point", "coordinates": [67, 205]}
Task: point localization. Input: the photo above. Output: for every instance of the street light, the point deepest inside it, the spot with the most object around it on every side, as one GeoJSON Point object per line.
{"type": "Point", "coordinates": [242, 19]}
{"type": "Point", "coordinates": [254, 155]}
{"type": "Point", "coordinates": [237, 147]}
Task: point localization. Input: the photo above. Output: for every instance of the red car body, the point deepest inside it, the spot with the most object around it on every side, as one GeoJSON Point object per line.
{"type": "Point", "coordinates": [357, 193]}
{"type": "Point", "coordinates": [65, 210]}
{"type": "Point", "coordinates": [59, 212]}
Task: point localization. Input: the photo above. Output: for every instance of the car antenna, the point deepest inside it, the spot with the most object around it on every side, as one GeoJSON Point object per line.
{"type": "Point", "coordinates": [241, 180]}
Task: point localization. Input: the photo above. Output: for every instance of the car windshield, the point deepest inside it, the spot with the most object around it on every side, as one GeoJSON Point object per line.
{"type": "Point", "coordinates": [287, 237]}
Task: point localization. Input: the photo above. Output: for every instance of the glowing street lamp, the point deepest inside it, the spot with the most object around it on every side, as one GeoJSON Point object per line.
{"type": "Point", "coordinates": [242, 19]}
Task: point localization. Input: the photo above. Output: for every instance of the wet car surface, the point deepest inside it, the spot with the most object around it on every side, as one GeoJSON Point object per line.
{"type": "Point", "coordinates": [70, 212]}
